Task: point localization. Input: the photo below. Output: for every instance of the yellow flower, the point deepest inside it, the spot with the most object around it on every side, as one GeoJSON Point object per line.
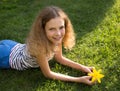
{"type": "Point", "coordinates": [96, 75]}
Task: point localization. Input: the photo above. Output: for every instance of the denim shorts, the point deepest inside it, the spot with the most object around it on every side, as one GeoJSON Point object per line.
{"type": "Point", "coordinates": [5, 50]}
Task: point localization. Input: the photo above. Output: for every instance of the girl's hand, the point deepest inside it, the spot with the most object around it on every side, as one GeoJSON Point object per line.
{"type": "Point", "coordinates": [87, 69]}
{"type": "Point", "coordinates": [86, 80]}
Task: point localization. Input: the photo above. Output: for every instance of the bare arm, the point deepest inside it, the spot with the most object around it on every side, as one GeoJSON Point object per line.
{"type": "Point", "coordinates": [65, 61]}
{"type": "Point", "coordinates": [44, 65]}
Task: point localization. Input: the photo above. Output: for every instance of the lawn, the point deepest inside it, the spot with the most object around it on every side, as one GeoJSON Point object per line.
{"type": "Point", "coordinates": [97, 28]}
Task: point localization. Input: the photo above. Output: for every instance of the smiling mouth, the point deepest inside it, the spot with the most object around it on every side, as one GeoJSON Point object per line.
{"type": "Point", "coordinates": [57, 39]}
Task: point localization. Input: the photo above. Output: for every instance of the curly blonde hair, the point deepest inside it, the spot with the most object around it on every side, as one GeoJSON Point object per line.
{"type": "Point", "coordinates": [37, 42]}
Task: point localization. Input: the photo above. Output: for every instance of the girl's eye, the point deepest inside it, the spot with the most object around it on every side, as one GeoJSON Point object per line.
{"type": "Point", "coordinates": [62, 27]}
{"type": "Point", "coordinates": [52, 29]}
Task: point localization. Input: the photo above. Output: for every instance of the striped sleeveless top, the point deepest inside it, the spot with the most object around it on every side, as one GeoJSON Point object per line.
{"type": "Point", "coordinates": [20, 59]}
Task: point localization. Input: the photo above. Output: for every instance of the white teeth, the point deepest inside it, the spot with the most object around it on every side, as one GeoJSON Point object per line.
{"type": "Point", "coordinates": [57, 38]}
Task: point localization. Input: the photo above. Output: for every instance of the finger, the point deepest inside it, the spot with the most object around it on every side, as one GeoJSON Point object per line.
{"type": "Point", "coordinates": [90, 82]}
{"type": "Point", "coordinates": [91, 68]}
{"type": "Point", "coordinates": [89, 77]}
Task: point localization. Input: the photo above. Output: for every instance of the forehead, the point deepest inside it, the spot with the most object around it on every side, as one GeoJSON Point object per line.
{"type": "Point", "coordinates": [58, 21]}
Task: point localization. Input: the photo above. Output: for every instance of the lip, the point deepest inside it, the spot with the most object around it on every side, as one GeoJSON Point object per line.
{"type": "Point", "coordinates": [57, 39]}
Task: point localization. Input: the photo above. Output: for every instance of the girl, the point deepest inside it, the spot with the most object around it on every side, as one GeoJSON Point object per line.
{"type": "Point", "coordinates": [51, 29]}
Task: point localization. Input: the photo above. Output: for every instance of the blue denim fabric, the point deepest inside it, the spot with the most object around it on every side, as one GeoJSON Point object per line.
{"type": "Point", "coordinates": [5, 50]}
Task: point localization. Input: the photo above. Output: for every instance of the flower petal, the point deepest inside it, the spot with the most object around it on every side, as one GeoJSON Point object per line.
{"type": "Point", "coordinates": [99, 80]}
{"type": "Point", "coordinates": [93, 79]}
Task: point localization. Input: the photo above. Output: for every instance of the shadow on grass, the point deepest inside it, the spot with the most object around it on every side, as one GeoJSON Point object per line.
{"type": "Point", "coordinates": [27, 80]}
{"type": "Point", "coordinates": [87, 14]}
{"type": "Point", "coordinates": [18, 15]}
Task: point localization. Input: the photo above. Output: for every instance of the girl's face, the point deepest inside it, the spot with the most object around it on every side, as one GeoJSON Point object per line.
{"type": "Point", "coordinates": [55, 30]}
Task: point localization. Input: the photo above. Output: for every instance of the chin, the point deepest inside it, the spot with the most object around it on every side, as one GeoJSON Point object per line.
{"type": "Point", "coordinates": [57, 43]}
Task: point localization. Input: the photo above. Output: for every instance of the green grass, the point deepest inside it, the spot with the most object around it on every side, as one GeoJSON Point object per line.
{"type": "Point", "coordinates": [97, 28]}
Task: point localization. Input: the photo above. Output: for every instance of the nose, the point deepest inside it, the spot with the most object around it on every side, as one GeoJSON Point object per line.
{"type": "Point", "coordinates": [58, 33]}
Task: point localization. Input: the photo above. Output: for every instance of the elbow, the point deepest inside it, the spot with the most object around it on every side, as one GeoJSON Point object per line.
{"type": "Point", "coordinates": [59, 59]}
{"type": "Point", "coordinates": [48, 75]}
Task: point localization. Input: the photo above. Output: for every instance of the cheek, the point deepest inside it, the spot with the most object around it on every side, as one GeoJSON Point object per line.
{"type": "Point", "coordinates": [49, 34]}
{"type": "Point", "coordinates": [63, 32]}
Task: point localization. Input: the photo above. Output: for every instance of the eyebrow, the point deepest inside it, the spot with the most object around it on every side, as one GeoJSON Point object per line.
{"type": "Point", "coordinates": [62, 26]}
{"type": "Point", "coordinates": [51, 28]}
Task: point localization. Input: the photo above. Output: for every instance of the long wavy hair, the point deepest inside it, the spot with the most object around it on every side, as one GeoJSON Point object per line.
{"type": "Point", "coordinates": [37, 42]}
